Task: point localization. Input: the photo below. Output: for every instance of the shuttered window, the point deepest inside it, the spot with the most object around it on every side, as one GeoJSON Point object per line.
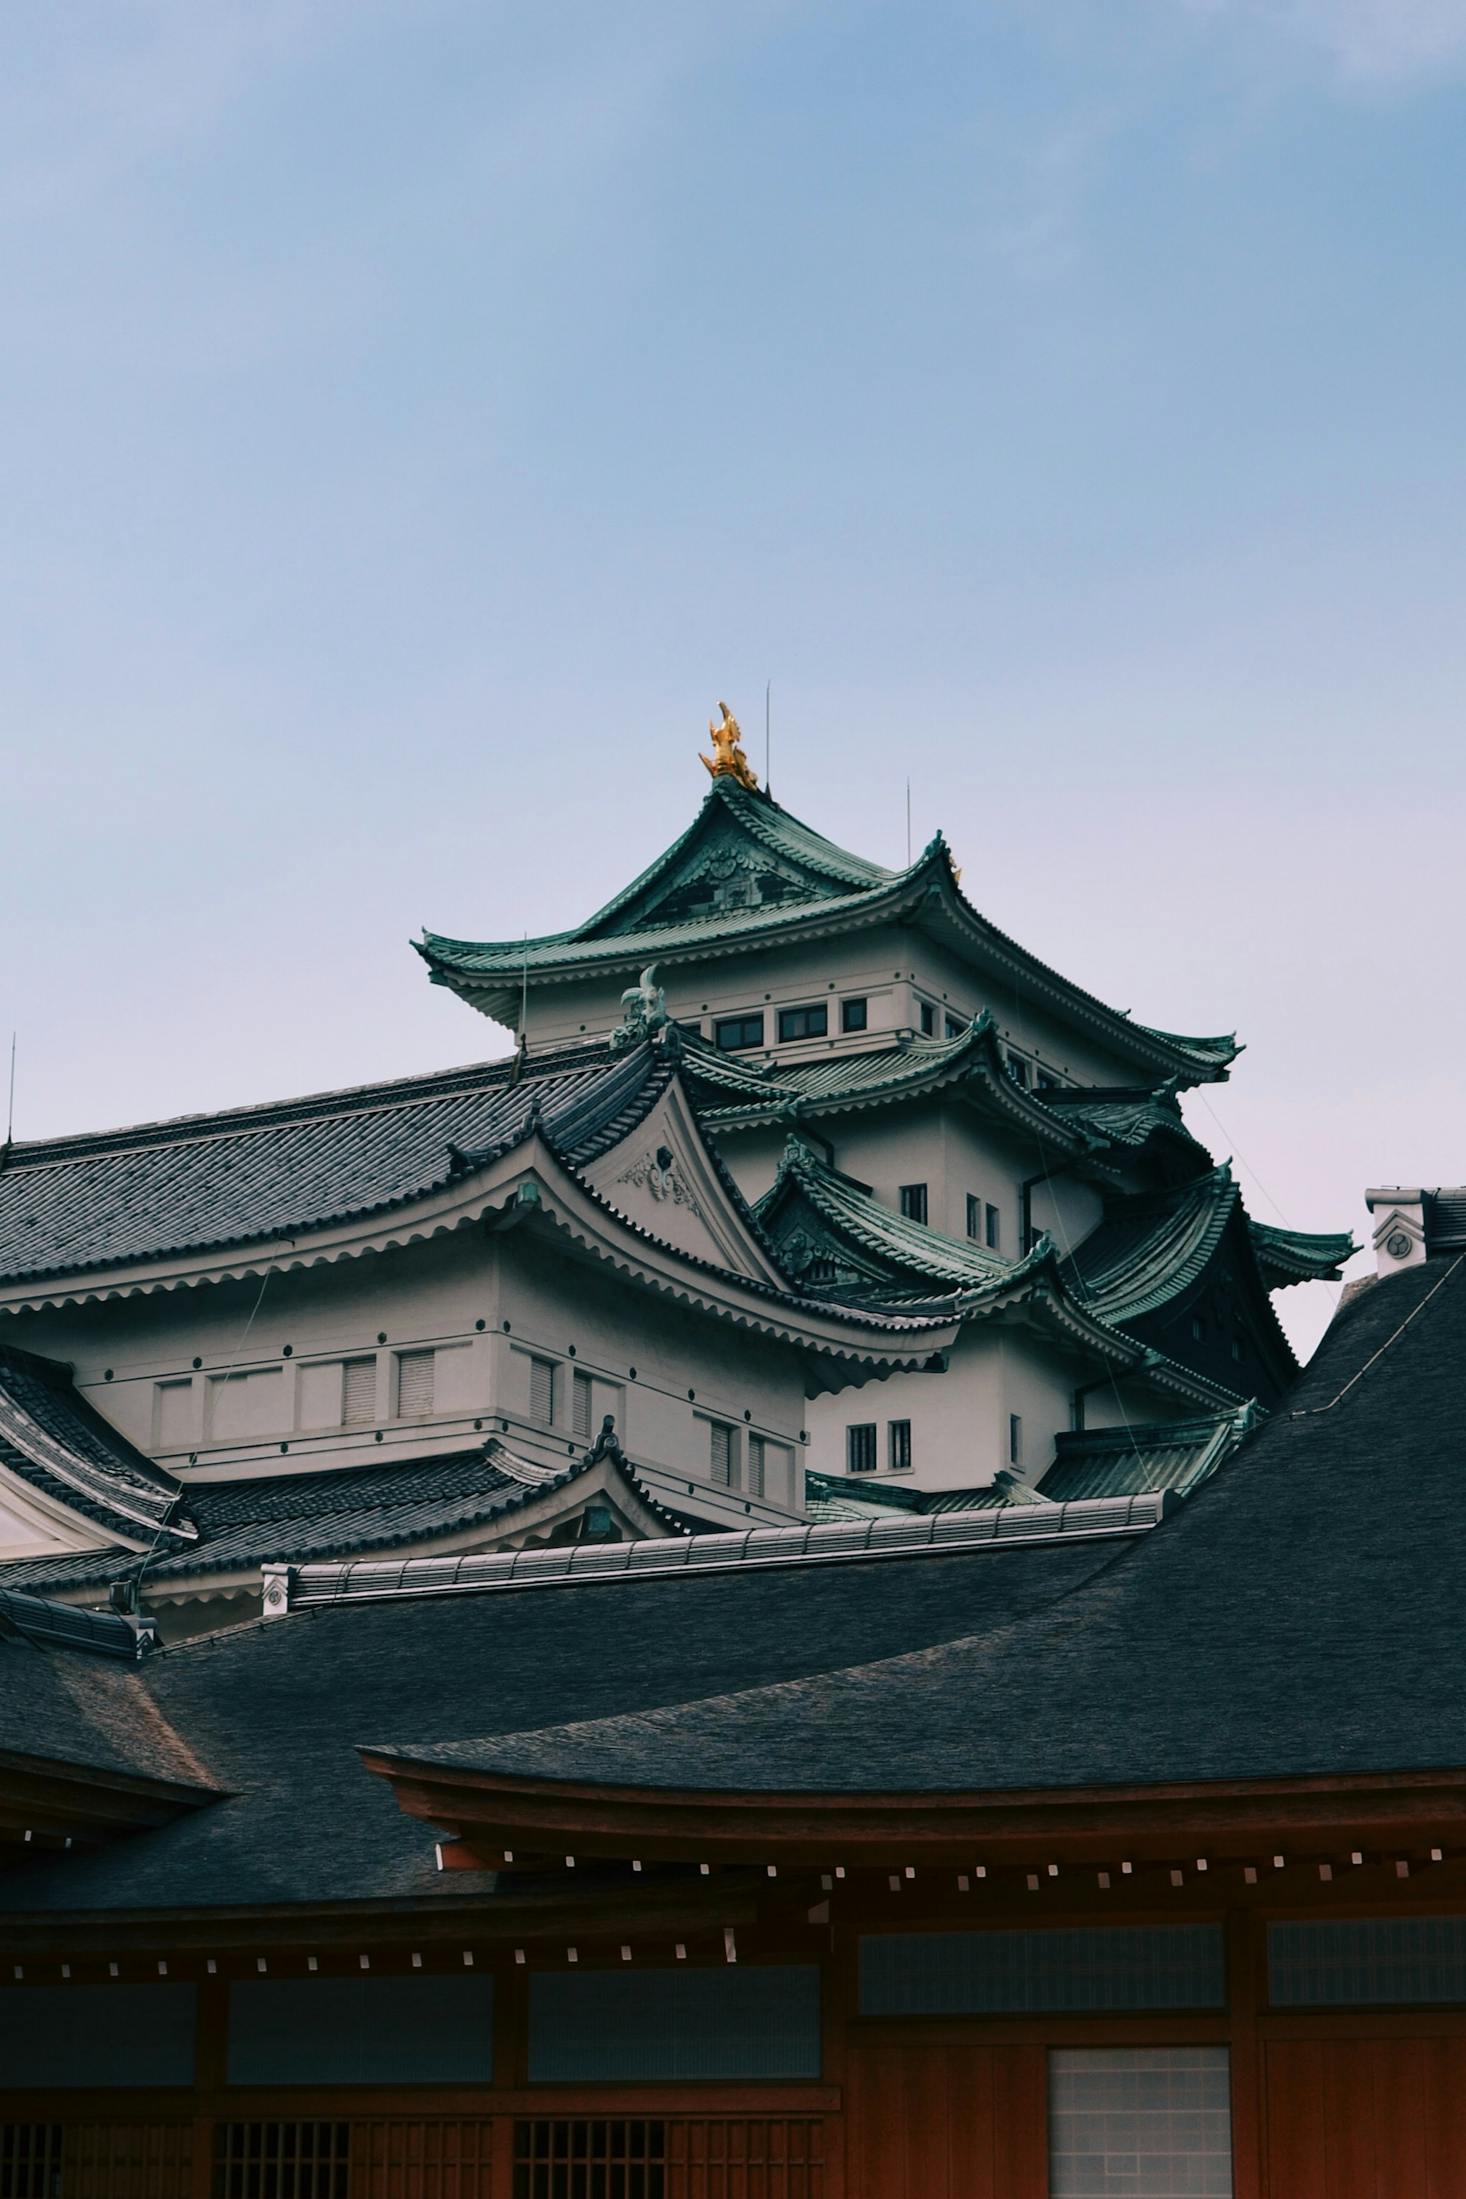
{"type": "Point", "coordinates": [359, 1392]}
{"type": "Point", "coordinates": [414, 1382]}
{"type": "Point", "coordinates": [542, 1391]}
{"type": "Point", "coordinates": [583, 1400]}
{"type": "Point", "coordinates": [723, 1454]}
{"type": "Point", "coordinates": [755, 1483]}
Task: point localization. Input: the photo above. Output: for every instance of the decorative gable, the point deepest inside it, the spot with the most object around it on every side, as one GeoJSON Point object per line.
{"type": "Point", "coordinates": [663, 1178]}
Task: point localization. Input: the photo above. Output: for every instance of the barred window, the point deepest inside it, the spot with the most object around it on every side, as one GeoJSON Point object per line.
{"type": "Point", "coordinates": [860, 1448]}
{"type": "Point", "coordinates": [898, 1446]}
{"type": "Point", "coordinates": [913, 1201]}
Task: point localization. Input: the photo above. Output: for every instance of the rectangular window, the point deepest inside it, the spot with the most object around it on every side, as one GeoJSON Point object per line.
{"type": "Point", "coordinates": [735, 1034]}
{"type": "Point", "coordinates": [974, 1217]}
{"type": "Point", "coordinates": [954, 1026]}
{"type": "Point", "coordinates": [419, 2030]}
{"type": "Point", "coordinates": [854, 1015]}
{"type": "Point", "coordinates": [1413, 1961]}
{"type": "Point", "coordinates": [898, 1446]}
{"type": "Point", "coordinates": [681, 2026]}
{"type": "Point", "coordinates": [913, 1201]}
{"type": "Point", "coordinates": [723, 1454]}
{"type": "Point", "coordinates": [1018, 1069]}
{"type": "Point", "coordinates": [415, 1383]}
{"type": "Point", "coordinates": [359, 1393]}
{"type": "Point", "coordinates": [1153, 2119]}
{"type": "Point", "coordinates": [1015, 1439]}
{"type": "Point", "coordinates": [281, 2160]}
{"type": "Point", "coordinates": [1044, 1082]}
{"type": "Point", "coordinates": [860, 1448]}
{"type": "Point", "coordinates": [582, 1398]}
{"type": "Point", "coordinates": [755, 1478]}
{"type": "Point", "coordinates": [804, 1022]}
{"type": "Point", "coordinates": [1078, 1970]}
{"type": "Point", "coordinates": [542, 1391]}
{"type": "Point", "coordinates": [173, 1428]}
{"type": "Point", "coordinates": [928, 1016]}
{"type": "Point", "coordinates": [96, 2035]}
{"type": "Point", "coordinates": [994, 1228]}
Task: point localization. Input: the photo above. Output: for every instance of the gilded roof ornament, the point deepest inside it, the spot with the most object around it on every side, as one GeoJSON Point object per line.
{"type": "Point", "coordinates": [728, 760]}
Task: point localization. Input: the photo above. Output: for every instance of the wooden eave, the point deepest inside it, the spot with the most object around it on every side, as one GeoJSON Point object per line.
{"type": "Point", "coordinates": [49, 1804]}
{"type": "Point", "coordinates": [501, 1820]}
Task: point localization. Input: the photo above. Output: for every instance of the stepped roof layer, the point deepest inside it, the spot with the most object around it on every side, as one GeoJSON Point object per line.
{"type": "Point", "coordinates": [821, 1680]}
{"type": "Point", "coordinates": [1346, 1603]}
{"type": "Point", "coordinates": [1113, 1462]}
{"type": "Point", "coordinates": [1297, 1256]}
{"type": "Point", "coordinates": [346, 1512]}
{"type": "Point", "coordinates": [744, 874]}
{"type": "Point", "coordinates": [251, 1173]}
{"type": "Point", "coordinates": [1146, 1250]}
{"type": "Point", "coordinates": [53, 1440]}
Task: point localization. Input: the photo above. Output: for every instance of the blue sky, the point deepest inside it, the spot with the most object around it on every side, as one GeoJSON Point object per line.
{"type": "Point", "coordinates": [413, 417]}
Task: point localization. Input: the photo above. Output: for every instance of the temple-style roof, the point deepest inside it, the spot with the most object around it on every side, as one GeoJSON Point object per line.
{"type": "Point", "coordinates": [251, 1173]}
{"type": "Point", "coordinates": [744, 874]}
{"type": "Point", "coordinates": [345, 1512]}
{"type": "Point", "coordinates": [1295, 1256]}
{"type": "Point", "coordinates": [859, 1248]}
{"type": "Point", "coordinates": [1148, 1249]}
{"type": "Point", "coordinates": [1175, 1454]}
{"type": "Point", "coordinates": [53, 1440]}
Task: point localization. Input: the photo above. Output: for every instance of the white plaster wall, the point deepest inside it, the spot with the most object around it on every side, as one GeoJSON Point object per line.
{"type": "Point", "coordinates": [455, 1294]}
{"type": "Point", "coordinates": [959, 1419]}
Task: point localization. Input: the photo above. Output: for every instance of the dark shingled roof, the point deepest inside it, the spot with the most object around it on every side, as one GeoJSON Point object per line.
{"type": "Point", "coordinates": [54, 1440]}
{"type": "Point", "coordinates": [1294, 1618]}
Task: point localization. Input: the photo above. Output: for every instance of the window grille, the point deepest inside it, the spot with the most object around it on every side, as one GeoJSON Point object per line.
{"type": "Point", "coordinates": [804, 1022]}
{"type": "Point", "coordinates": [1015, 1439]}
{"type": "Point", "coordinates": [30, 2160]}
{"type": "Point", "coordinates": [686, 2025]}
{"type": "Point", "coordinates": [755, 1482]}
{"type": "Point", "coordinates": [414, 1382]}
{"type": "Point", "coordinates": [1078, 1970]}
{"type": "Point", "coordinates": [994, 1228]}
{"type": "Point", "coordinates": [358, 1392]}
{"type": "Point", "coordinates": [913, 1201]}
{"type": "Point", "coordinates": [128, 2161]}
{"type": "Point", "coordinates": [1151, 2119]}
{"type": "Point", "coordinates": [860, 1448]}
{"type": "Point", "coordinates": [735, 1034]}
{"type": "Point", "coordinates": [854, 1015]}
{"type": "Point", "coordinates": [898, 1446]}
{"type": "Point", "coordinates": [282, 2160]}
{"type": "Point", "coordinates": [582, 1398]}
{"type": "Point", "coordinates": [1417, 1961]}
{"type": "Point", "coordinates": [723, 1453]}
{"type": "Point", "coordinates": [542, 1391]}
{"type": "Point", "coordinates": [587, 2157]}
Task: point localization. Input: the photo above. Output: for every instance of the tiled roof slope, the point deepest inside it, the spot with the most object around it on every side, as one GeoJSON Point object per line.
{"type": "Point", "coordinates": [899, 1250]}
{"type": "Point", "coordinates": [294, 1518]}
{"type": "Point", "coordinates": [69, 1204]}
{"type": "Point", "coordinates": [1242, 1640]}
{"type": "Point", "coordinates": [1146, 1250]}
{"type": "Point", "coordinates": [1296, 1256]}
{"type": "Point", "coordinates": [53, 1440]}
{"type": "Point", "coordinates": [821, 888]}
{"type": "Point", "coordinates": [1114, 1462]}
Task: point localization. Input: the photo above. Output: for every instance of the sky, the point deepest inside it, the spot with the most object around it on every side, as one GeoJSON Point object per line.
{"type": "Point", "coordinates": [416, 414]}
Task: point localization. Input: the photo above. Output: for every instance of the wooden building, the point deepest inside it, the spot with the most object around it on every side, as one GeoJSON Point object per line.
{"type": "Point", "coordinates": [1018, 1852]}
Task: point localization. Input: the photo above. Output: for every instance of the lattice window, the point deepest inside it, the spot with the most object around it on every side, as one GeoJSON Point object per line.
{"type": "Point", "coordinates": [589, 2157]}
{"type": "Point", "coordinates": [430, 2160]}
{"type": "Point", "coordinates": [766, 2157]}
{"type": "Point", "coordinates": [282, 2160]}
{"type": "Point", "coordinates": [128, 2161]}
{"type": "Point", "coordinates": [30, 2160]}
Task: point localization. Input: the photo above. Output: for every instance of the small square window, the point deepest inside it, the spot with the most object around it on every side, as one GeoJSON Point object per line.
{"type": "Point", "coordinates": [913, 1201]}
{"type": "Point", "coordinates": [1015, 1439]}
{"type": "Point", "coordinates": [928, 1018]}
{"type": "Point", "coordinates": [735, 1034]}
{"type": "Point", "coordinates": [974, 1217]}
{"type": "Point", "coordinates": [898, 1446]}
{"type": "Point", "coordinates": [860, 1448]}
{"type": "Point", "coordinates": [854, 1015]}
{"type": "Point", "coordinates": [804, 1022]}
{"type": "Point", "coordinates": [994, 1226]}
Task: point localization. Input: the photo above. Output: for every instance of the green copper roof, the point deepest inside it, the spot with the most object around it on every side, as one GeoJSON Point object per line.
{"type": "Point", "coordinates": [1295, 1256]}
{"type": "Point", "coordinates": [746, 873]}
{"type": "Point", "coordinates": [1117, 1462]}
{"type": "Point", "coordinates": [1148, 1249]}
{"type": "Point", "coordinates": [848, 1221]}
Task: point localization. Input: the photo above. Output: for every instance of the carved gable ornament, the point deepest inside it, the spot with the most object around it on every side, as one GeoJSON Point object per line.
{"type": "Point", "coordinates": [661, 1177]}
